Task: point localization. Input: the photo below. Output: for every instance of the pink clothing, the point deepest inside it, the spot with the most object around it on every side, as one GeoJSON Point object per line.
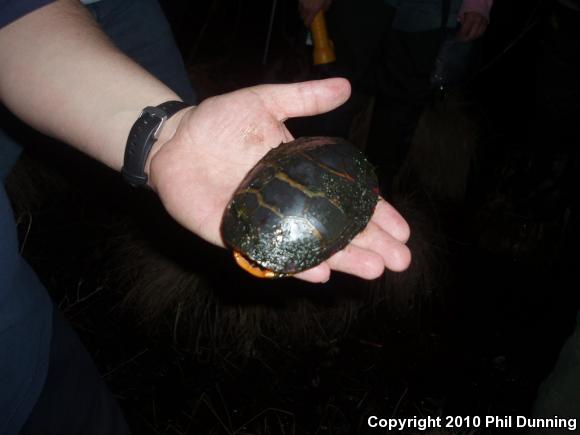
{"type": "Point", "coordinates": [482, 7]}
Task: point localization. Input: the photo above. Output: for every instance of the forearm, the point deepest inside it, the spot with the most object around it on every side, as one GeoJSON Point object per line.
{"type": "Point", "coordinates": [61, 74]}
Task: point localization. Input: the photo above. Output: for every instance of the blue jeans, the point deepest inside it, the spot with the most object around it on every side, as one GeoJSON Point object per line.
{"type": "Point", "coordinates": [25, 328]}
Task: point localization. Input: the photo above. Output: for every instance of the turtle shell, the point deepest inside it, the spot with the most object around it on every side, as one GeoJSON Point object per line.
{"type": "Point", "coordinates": [301, 203]}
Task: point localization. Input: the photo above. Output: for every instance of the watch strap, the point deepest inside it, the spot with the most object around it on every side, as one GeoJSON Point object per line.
{"type": "Point", "coordinates": [142, 136]}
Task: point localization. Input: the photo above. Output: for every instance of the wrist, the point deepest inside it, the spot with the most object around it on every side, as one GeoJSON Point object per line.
{"type": "Point", "coordinates": [151, 126]}
{"type": "Point", "coordinates": [168, 132]}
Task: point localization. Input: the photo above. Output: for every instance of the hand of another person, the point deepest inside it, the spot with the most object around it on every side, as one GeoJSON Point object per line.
{"type": "Point", "coordinates": [215, 145]}
{"type": "Point", "coordinates": [309, 8]}
{"type": "Point", "coordinates": [473, 25]}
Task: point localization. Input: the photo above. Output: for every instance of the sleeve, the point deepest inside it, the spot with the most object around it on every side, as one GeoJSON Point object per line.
{"type": "Point", "coordinates": [482, 7]}
{"type": "Point", "coordinates": [11, 10]}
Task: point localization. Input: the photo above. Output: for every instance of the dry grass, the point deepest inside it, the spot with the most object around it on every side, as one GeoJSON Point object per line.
{"type": "Point", "coordinates": [185, 291]}
{"type": "Point", "coordinates": [443, 149]}
{"type": "Point", "coordinates": [218, 307]}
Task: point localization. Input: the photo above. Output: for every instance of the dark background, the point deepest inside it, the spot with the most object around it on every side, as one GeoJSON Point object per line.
{"type": "Point", "coordinates": [471, 329]}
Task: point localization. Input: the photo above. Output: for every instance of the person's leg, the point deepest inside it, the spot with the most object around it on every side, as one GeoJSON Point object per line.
{"type": "Point", "coordinates": [139, 28]}
{"type": "Point", "coordinates": [25, 328]}
{"type": "Point", "coordinates": [559, 394]}
{"type": "Point", "coordinates": [558, 95]}
{"type": "Point", "coordinates": [356, 29]}
{"type": "Point", "coordinates": [74, 400]}
{"type": "Point", "coordinates": [405, 64]}
{"type": "Point", "coordinates": [9, 154]}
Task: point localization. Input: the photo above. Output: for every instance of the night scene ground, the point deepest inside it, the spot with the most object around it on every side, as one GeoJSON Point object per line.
{"type": "Point", "coordinates": [190, 344]}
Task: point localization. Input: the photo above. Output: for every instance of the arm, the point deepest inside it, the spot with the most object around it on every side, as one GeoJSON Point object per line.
{"type": "Point", "coordinates": [60, 74]}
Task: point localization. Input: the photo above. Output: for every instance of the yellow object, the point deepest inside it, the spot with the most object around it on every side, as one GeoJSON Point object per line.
{"type": "Point", "coordinates": [323, 48]}
{"type": "Point", "coordinates": [252, 269]}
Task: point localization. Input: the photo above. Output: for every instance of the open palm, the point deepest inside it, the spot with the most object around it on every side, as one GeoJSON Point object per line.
{"type": "Point", "coordinates": [218, 142]}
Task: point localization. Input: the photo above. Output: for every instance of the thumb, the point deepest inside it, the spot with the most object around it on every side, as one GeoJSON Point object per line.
{"type": "Point", "coordinates": [305, 98]}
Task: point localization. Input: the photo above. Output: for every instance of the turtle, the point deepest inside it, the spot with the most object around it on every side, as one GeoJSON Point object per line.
{"type": "Point", "coordinates": [302, 202]}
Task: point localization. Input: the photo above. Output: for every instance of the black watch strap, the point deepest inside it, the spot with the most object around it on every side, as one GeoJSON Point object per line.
{"type": "Point", "coordinates": [142, 136]}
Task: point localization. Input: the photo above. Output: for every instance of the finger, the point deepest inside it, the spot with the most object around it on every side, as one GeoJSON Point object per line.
{"type": "Point", "coordinates": [471, 19]}
{"type": "Point", "coordinates": [467, 24]}
{"type": "Point", "coordinates": [481, 30]}
{"type": "Point", "coordinates": [318, 274]}
{"type": "Point", "coordinates": [462, 33]}
{"type": "Point", "coordinates": [389, 220]}
{"type": "Point", "coordinates": [358, 261]}
{"type": "Point", "coordinates": [366, 257]}
{"type": "Point", "coordinates": [396, 255]}
{"type": "Point", "coordinates": [305, 98]}
{"type": "Point", "coordinates": [474, 31]}
{"type": "Point", "coordinates": [288, 137]}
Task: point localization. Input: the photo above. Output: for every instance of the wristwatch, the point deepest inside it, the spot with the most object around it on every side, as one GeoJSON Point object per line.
{"type": "Point", "coordinates": [142, 136]}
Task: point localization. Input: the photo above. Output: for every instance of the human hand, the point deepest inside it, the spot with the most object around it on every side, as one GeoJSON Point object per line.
{"type": "Point", "coordinates": [309, 8]}
{"type": "Point", "coordinates": [473, 25]}
{"type": "Point", "coordinates": [216, 144]}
